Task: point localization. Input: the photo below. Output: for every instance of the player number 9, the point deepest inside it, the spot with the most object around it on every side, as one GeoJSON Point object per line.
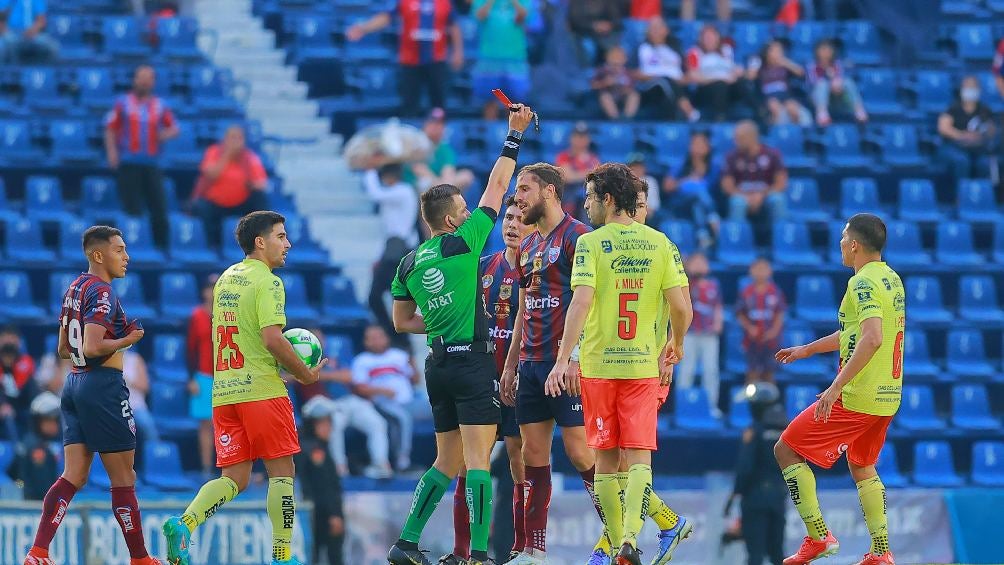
{"type": "Point", "coordinates": [75, 337]}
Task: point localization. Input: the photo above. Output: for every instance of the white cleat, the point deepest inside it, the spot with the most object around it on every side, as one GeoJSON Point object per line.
{"type": "Point", "coordinates": [526, 559]}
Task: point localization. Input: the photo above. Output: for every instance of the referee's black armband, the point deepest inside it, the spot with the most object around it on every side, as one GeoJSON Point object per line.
{"type": "Point", "coordinates": [510, 147]}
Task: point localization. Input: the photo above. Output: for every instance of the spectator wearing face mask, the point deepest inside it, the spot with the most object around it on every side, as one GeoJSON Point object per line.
{"type": "Point", "coordinates": [968, 132]}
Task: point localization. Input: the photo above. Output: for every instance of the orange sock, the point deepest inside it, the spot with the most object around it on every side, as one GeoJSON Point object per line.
{"type": "Point", "coordinates": [36, 551]}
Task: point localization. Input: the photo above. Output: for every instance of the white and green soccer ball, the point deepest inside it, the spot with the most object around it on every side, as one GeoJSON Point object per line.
{"type": "Point", "coordinates": [305, 344]}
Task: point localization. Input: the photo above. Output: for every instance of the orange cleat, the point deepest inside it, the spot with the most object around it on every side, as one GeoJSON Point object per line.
{"type": "Point", "coordinates": [38, 556]}
{"type": "Point", "coordinates": [148, 560]}
{"type": "Point", "coordinates": [872, 559]}
{"type": "Point", "coordinates": [813, 549]}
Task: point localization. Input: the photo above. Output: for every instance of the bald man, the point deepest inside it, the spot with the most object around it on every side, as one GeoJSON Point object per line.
{"type": "Point", "coordinates": [754, 178]}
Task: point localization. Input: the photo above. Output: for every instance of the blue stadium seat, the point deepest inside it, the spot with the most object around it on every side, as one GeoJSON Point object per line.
{"type": "Point", "coordinates": [988, 463]}
{"type": "Point", "coordinates": [339, 348]}
{"type": "Point", "coordinates": [229, 248]}
{"type": "Point", "coordinates": [903, 245]}
{"type": "Point", "coordinates": [177, 38]}
{"type": "Point", "coordinates": [97, 91]}
{"type": "Point", "coordinates": [798, 398]}
{"type": "Point", "coordinates": [796, 333]}
{"type": "Point", "coordinates": [926, 303]}
{"type": "Point", "coordinates": [859, 194]}
{"type": "Point", "coordinates": [17, 300]}
{"type": "Point", "coordinates": [916, 412]}
{"type": "Point", "coordinates": [169, 362]}
{"type": "Point", "coordinates": [169, 405]}
{"type": "Point", "coordinates": [723, 138]}
{"type": "Point", "coordinates": [680, 233]}
{"type": "Point", "coordinates": [123, 36]}
{"type": "Point", "coordinates": [187, 243]}
{"type": "Point", "coordinates": [933, 465]}
{"type": "Point", "coordinates": [977, 202]}
{"type": "Point", "coordinates": [130, 292]}
{"type": "Point", "coordinates": [162, 466]}
{"type": "Point", "coordinates": [900, 146]}
{"type": "Point", "coordinates": [375, 87]}
{"type": "Point", "coordinates": [971, 408]}
{"type": "Point", "coordinates": [613, 140]}
{"type": "Point", "coordinates": [917, 356]}
{"type": "Point", "coordinates": [58, 283]}
{"type": "Point", "coordinates": [888, 467]}
{"type": "Point", "coordinates": [933, 90]}
{"type": "Point", "coordinates": [974, 42]}
{"type": "Point", "coordinates": [71, 240]}
{"type": "Point", "coordinates": [805, 35]}
{"type": "Point", "coordinates": [24, 245]}
{"type": "Point", "coordinates": [7, 211]}
{"type": "Point", "coordinates": [70, 145]}
{"type": "Point", "coordinates": [179, 294]}
{"type": "Point", "coordinates": [7, 454]}
{"type": "Point", "coordinates": [693, 411]}
{"type": "Point", "coordinates": [305, 250]}
{"type": "Point", "coordinates": [954, 245]}
{"type": "Point", "coordinates": [670, 143]}
{"type": "Point", "coordinates": [803, 200]}
{"type": "Point", "coordinates": [836, 232]}
{"type": "Point", "coordinates": [978, 299]}
{"type": "Point", "coordinates": [97, 477]}
{"type": "Point", "coordinates": [814, 300]}
{"type": "Point", "coordinates": [15, 144]}
{"type": "Point", "coordinates": [40, 89]}
{"type": "Point", "coordinates": [339, 302]}
{"type": "Point", "coordinates": [878, 89]}
{"type": "Point", "coordinates": [917, 201]}
{"type": "Point", "coordinates": [99, 197]}
{"type": "Point", "coordinates": [750, 37]}
{"type": "Point", "coordinates": [735, 358]}
{"type": "Point", "coordinates": [861, 44]}
{"type": "Point", "coordinates": [843, 147]}
{"type": "Point", "coordinates": [184, 151]}
{"type": "Point", "coordinates": [297, 305]}
{"type": "Point", "coordinates": [139, 240]}
{"type": "Point", "coordinates": [68, 30]}
{"type": "Point", "coordinates": [966, 354]}
{"type": "Point", "coordinates": [789, 139]}
{"type": "Point", "coordinates": [998, 248]}
{"type": "Point", "coordinates": [44, 199]}
{"type": "Point", "coordinates": [740, 416]}
{"type": "Point", "coordinates": [735, 243]}
{"type": "Point", "coordinates": [792, 245]}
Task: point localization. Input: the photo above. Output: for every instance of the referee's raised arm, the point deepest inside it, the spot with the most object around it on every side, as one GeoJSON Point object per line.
{"type": "Point", "coordinates": [520, 117]}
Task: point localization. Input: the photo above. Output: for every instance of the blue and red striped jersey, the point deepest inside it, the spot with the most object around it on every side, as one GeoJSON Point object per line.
{"type": "Point", "coordinates": [762, 306]}
{"type": "Point", "coordinates": [90, 300]}
{"type": "Point", "coordinates": [424, 30]}
{"type": "Point", "coordinates": [500, 289]}
{"type": "Point", "coordinates": [137, 125]}
{"type": "Point", "coordinates": [545, 271]}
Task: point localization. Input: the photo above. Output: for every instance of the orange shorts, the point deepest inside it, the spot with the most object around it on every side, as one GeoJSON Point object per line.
{"type": "Point", "coordinates": [263, 429]}
{"type": "Point", "coordinates": [620, 413]}
{"type": "Point", "coordinates": [860, 435]}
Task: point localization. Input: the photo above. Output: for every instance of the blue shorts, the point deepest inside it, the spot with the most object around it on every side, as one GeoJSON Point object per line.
{"type": "Point", "coordinates": [507, 424]}
{"type": "Point", "coordinates": [96, 411]}
{"type": "Point", "coordinates": [533, 406]}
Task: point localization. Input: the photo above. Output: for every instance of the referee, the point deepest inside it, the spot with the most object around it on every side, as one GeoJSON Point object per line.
{"type": "Point", "coordinates": [441, 278]}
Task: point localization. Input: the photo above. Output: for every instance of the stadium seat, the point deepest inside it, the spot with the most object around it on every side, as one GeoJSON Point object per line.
{"type": "Point", "coordinates": [338, 348]}
{"type": "Point", "coordinates": [859, 194]}
{"type": "Point", "coordinates": [693, 411]}
{"type": "Point", "coordinates": [903, 245]}
{"type": "Point", "coordinates": [58, 283]}
{"type": "Point", "coordinates": [97, 91]}
{"type": "Point", "coordinates": [681, 234]}
{"type": "Point", "coordinates": [933, 465]}
{"type": "Point", "coordinates": [162, 466]}
{"type": "Point", "coordinates": [179, 294]}
{"type": "Point", "coordinates": [792, 245]}
{"type": "Point", "coordinates": [735, 357]}
{"type": "Point", "coordinates": [169, 406]}
{"type": "Point", "coordinates": [917, 201]}
{"type": "Point", "coordinates": [375, 87]}
{"type": "Point", "coordinates": [70, 240]}
{"type": "Point", "coordinates": [184, 151]}
{"type": "Point", "coordinates": [297, 305]}
{"type": "Point", "coordinates": [17, 300]}
{"type": "Point", "coordinates": [44, 199]}
{"type": "Point", "coordinates": [169, 362]}
{"type": "Point", "coordinates": [68, 30]}
{"type": "Point", "coordinates": [900, 146]}
{"type": "Point", "coordinates": [954, 245]}
{"type": "Point", "coordinates": [130, 292]}
{"type": "Point", "coordinates": [998, 248]}
{"type": "Point", "coordinates": [305, 250]}
{"type": "Point", "coordinates": [988, 463]}
{"type": "Point", "coordinates": [97, 477]}
{"type": "Point", "coordinates": [971, 408]}
{"type": "Point", "coordinates": [723, 138]}
{"type": "Point", "coordinates": [878, 87]}
{"type": "Point", "coordinates": [339, 302]}
{"type": "Point", "coordinates": [842, 143]}
{"type": "Point", "coordinates": [7, 211]}
{"type": "Point", "coordinates": [789, 139]}
{"type": "Point", "coordinates": [15, 144]}
{"type": "Point", "coordinates": [740, 416]}
{"type": "Point", "coordinates": [799, 397]}
{"type": "Point", "coordinates": [978, 299]}
{"type": "Point", "coordinates": [977, 202]}
{"type": "Point", "coordinates": [139, 239]}
{"type": "Point", "coordinates": [24, 245]}
{"type": "Point", "coordinates": [925, 302]}
{"type": "Point", "coordinates": [974, 42]}
{"type": "Point", "coordinates": [836, 232]}
{"type": "Point", "coordinates": [804, 36]}
{"type": "Point", "coordinates": [916, 412]}
{"type": "Point", "coordinates": [750, 37]}
{"type": "Point", "coordinates": [613, 140]}
{"type": "Point", "coordinates": [177, 38]}
{"type": "Point", "coordinates": [861, 44]}
{"type": "Point", "coordinates": [814, 300]}
{"type": "Point", "coordinates": [966, 354]}
{"type": "Point", "coordinates": [7, 454]}
{"type": "Point", "coordinates": [40, 89]}
{"type": "Point", "coordinates": [933, 90]}
{"type": "Point", "coordinates": [796, 333]}
{"type": "Point", "coordinates": [99, 198]}
{"type": "Point", "coordinates": [735, 243]}
{"type": "Point", "coordinates": [187, 242]}
{"type": "Point", "coordinates": [888, 467]}
{"type": "Point", "coordinates": [917, 356]}
{"type": "Point", "coordinates": [803, 200]}
{"type": "Point", "coordinates": [669, 142]}
{"type": "Point", "coordinates": [229, 249]}
{"type": "Point", "coordinates": [123, 37]}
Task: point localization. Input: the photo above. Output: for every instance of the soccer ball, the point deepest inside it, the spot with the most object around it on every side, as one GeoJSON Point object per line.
{"type": "Point", "coordinates": [305, 344]}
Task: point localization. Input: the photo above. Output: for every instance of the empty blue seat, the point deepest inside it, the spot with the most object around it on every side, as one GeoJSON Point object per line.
{"type": "Point", "coordinates": [139, 241]}
{"type": "Point", "coordinates": [375, 86]}
{"type": "Point", "coordinates": [339, 348]}
{"type": "Point", "coordinates": [130, 293]}
{"type": "Point", "coordinates": [162, 466]}
{"type": "Point", "coordinates": [16, 145]}
{"type": "Point", "coordinates": [7, 211]}
{"type": "Point", "coordinates": [179, 294]}
{"type": "Point", "coordinates": [17, 301]}
{"type": "Point", "coordinates": [835, 230]}
{"type": "Point", "coordinates": [169, 405]}
{"type": "Point", "coordinates": [805, 35]}
{"type": "Point", "coordinates": [44, 199]}
{"type": "Point", "coordinates": [933, 90]}
{"type": "Point", "coordinates": [58, 283]}
{"type": "Point", "coordinates": [966, 354]}
{"type": "Point", "coordinates": [861, 44]}
{"type": "Point", "coordinates": [917, 201]}
{"type": "Point", "coordinates": [187, 242]}
{"type": "Point", "coordinates": [680, 233]}
{"type": "Point", "coordinates": [122, 36]}
{"type": "Point", "coordinates": [916, 412]}
{"type": "Point", "coordinates": [723, 138]}
{"type": "Point", "coordinates": [859, 194]}
{"type": "Point", "coordinates": [740, 416]}
{"type": "Point", "coordinates": [903, 245]}
{"type": "Point", "coordinates": [954, 245]}
{"type": "Point", "coordinates": [177, 38]}
{"type": "Point", "coordinates": [974, 42]}
{"type": "Point", "coordinates": [799, 397]}
{"type": "Point", "coordinates": [998, 249]}
{"type": "Point", "coordinates": [789, 139]}
{"type": "Point", "coordinates": [792, 245]}
{"type": "Point", "coordinates": [305, 250]}
{"type": "Point", "coordinates": [97, 477]}
{"type": "Point", "coordinates": [735, 358]}
{"type": "Point", "coordinates": [613, 140]}
{"type": "Point", "coordinates": [988, 463]}
{"type": "Point", "coordinates": [803, 200]}
{"type": "Point", "coordinates": [926, 303]}
{"type": "Point", "coordinates": [184, 151]}
{"type": "Point", "coordinates": [814, 300]}
{"type": "Point", "coordinates": [169, 361]}
{"type": "Point", "coordinates": [917, 361]}
{"type": "Point", "coordinates": [796, 333]}
{"type": "Point", "coordinates": [977, 202]}
{"type": "Point", "coordinates": [878, 88]}
{"type": "Point", "coordinates": [669, 141]}
{"type": "Point", "coordinates": [971, 408]}
{"type": "Point", "coordinates": [843, 147]}
{"type": "Point", "coordinates": [978, 299]}
{"type": "Point", "coordinates": [933, 465]}
{"type": "Point", "coordinates": [693, 410]}
{"type": "Point", "coordinates": [339, 302]}
{"type": "Point", "coordinates": [297, 305]}
{"type": "Point", "coordinates": [24, 245]}
{"type": "Point", "coordinates": [900, 146]}
{"type": "Point", "coordinates": [40, 88]}
{"type": "Point", "coordinates": [68, 31]}
{"type": "Point", "coordinates": [229, 248]}
{"type": "Point", "coordinates": [97, 90]}
{"type": "Point", "coordinates": [735, 243]}
{"type": "Point", "coordinates": [750, 37]}
{"type": "Point", "coordinates": [71, 241]}
{"type": "Point", "coordinates": [99, 197]}
{"type": "Point", "coordinates": [887, 467]}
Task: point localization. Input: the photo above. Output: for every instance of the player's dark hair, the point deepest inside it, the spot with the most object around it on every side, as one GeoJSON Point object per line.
{"type": "Point", "coordinates": [869, 230]}
{"type": "Point", "coordinates": [98, 234]}
{"type": "Point", "coordinates": [255, 225]}
{"type": "Point", "coordinates": [509, 201]}
{"type": "Point", "coordinates": [547, 174]}
{"type": "Point", "coordinates": [437, 202]}
{"type": "Point", "coordinates": [619, 182]}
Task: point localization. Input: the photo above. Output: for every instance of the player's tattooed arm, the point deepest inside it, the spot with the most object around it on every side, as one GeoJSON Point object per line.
{"type": "Point", "coordinates": [407, 320]}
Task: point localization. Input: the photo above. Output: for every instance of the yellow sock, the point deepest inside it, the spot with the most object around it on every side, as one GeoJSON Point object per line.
{"type": "Point", "coordinates": [873, 505]}
{"type": "Point", "coordinates": [608, 492]}
{"type": "Point", "coordinates": [281, 505]}
{"type": "Point", "coordinates": [661, 513]}
{"type": "Point", "coordinates": [212, 496]}
{"type": "Point", "coordinates": [802, 489]}
{"type": "Point", "coordinates": [636, 500]}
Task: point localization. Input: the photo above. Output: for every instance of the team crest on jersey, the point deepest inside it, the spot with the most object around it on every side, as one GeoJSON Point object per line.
{"type": "Point", "coordinates": [538, 262]}
{"type": "Point", "coordinates": [535, 283]}
{"type": "Point", "coordinates": [502, 310]}
{"type": "Point", "coordinates": [524, 258]}
{"type": "Point", "coordinates": [552, 254]}
{"type": "Point", "coordinates": [486, 281]}
{"type": "Point", "coordinates": [505, 291]}
{"type": "Point", "coordinates": [607, 246]}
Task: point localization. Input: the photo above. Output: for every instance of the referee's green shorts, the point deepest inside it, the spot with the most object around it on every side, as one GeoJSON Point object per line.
{"type": "Point", "coordinates": [463, 390]}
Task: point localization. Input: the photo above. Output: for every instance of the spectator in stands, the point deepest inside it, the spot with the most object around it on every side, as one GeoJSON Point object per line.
{"type": "Point", "coordinates": [22, 36]}
{"type": "Point", "coordinates": [36, 466]}
{"type": "Point", "coordinates": [998, 68]}
{"type": "Point", "coordinates": [969, 132]}
{"type": "Point", "coordinates": [135, 128]}
{"type": "Point", "coordinates": [232, 182]}
{"type": "Point", "coordinates": [615, 86]}
{"type": "Point", "coordinates": [51, 372]}
{"type": "Point", "coordinates": [441, 168]}
{"type": "Point", "coordinates": [687, 190]}
{"type": "Point", "coordinates": [427, 30]}
{"type": "Point", "coordinates": [502, 52]}
{"type": "Point", "coordinates": [723, 10]}
{"type": "Point", "coordinates": [597, 27]}
{"type": "Point", "coordinates": [660, 72]}
{"type": "Point", "coordinates": [137, 379]}
{"type": "Point", "coordinates": [17, 383]}
{"type": "Point", "coordinates": [653, 200]}
{"type": "Point", "coordinates": [199, 354]}
{"type": "Point", "coordinates": [772, 71]}
{"type": "Point", "coordinates": [644, 9]}
{"type": "Point", "coordinates": [711, 66]}
{"type": "Point", "coordinates": [703, 340]}
{"type": "Point", "coordinates": [761, 313]}
{"type": "Point", "coordinates": [576, 161]}
{"type": "Point", "coordinates": [755, 178]}
{"type": "Point", "coordinates": [831, 88]}
{"type": "Point", "coordinates": [322, 486]}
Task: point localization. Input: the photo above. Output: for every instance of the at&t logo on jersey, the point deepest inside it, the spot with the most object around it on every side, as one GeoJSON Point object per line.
{"type": "Point", "coordinates": [542, 302]}
{"type": "Point", "coordinates": [433, 281]}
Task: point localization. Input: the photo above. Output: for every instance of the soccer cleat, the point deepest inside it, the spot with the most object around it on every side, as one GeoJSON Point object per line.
{"type": "Point", "coordinates": [525, 559]}
{"type": "Point", "coordinates": [290, 561]}
{"type": "Point", "coordinates": [599, 557]}
{"type": "Point", "coordinates": [813, 549]}
{"type": "Point", "coordinates": [35, 560]}
{"type": "Point", "coordinates": [178, 540]}
{"type": "Point", "coordinates": [669, 539]}
{"type": "Point", "coordinates": [872, 559]}
{"type": "Point", "coordinates": [148, 560]}
{"type": "Point", "coordinates": [473, 561]}
{"type": "Point", "coordinates": [628, 555]}
{"type": "Point", "coordinates": [398, 556]}
{"type": "Point", "coordinates": [451, 559]}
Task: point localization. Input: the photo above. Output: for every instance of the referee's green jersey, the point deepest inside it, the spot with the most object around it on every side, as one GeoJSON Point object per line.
{"type": "Point", "coordinates": [441, 277]}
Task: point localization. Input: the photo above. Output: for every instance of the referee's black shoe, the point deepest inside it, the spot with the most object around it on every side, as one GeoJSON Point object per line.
{"type": "Point", "coordinates": [399, 556]}
{"type": "Point", "coordinates": [628, 555]}
{"type": "Point", "coordinates": [451, 559]}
